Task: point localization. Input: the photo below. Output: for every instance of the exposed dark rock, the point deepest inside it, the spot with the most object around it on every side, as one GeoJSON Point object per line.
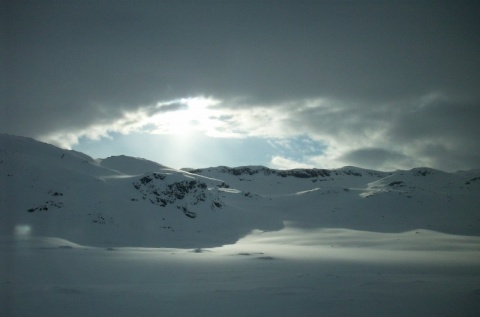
{"type": "Point", "coordinates": [156, 189]}
{"type": "Point", "coordinates": [189, 214]}
{"type": "Point", "coordinates": [100, 218]}
{"type": "Point", "coordinates": [44, 207]}
{"type": "Point", "coordinates": [304, 173]}
{"type": "Point", "coordinates": [55, 193]}
{"type": "Point", "coordinates": [352, 173]}
{"type": "Point", "coordinates": [147, 179]}
{"type": "Point", "coordinates": [247, 170]}
{"type": "Point", "coordinates": [422, 171]}
{"type": "Point", "coordinates": [396, 184]}
{"type": "Point", "coordinates": [473, 180]}
{"type": "Point", "coordinates": [298, 173]}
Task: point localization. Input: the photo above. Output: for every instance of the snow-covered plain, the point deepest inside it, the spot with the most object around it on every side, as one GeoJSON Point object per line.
{"type": "Point", "coordinates": [124, 236]}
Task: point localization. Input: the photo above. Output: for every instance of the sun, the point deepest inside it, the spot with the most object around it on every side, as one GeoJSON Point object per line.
{"type": "Point", "coordinates": [198, 115]}
{"type": "Point", "coordinates": [193, 116]}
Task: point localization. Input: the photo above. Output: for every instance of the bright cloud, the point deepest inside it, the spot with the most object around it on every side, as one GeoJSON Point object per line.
{"type": "Point", "coordinates": [279, 162]}
{"type": "Point", "coordinates": [319, 132]}
{"type": "Point", "coordinates": [181, 116]}
{"type": "Point", "coordinates": [195, 116]}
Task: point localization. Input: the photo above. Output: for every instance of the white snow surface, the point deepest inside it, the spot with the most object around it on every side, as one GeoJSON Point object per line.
{"type": "Point", "coordinates": [125, 236]}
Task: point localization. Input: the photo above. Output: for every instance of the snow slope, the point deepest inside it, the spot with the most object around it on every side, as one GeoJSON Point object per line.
{"type": "Point", "coordinates": [125, 201]}
{"type": "Point", "coordinates": [129, 237]}
{"type": "Point", "coordinates": [354, 198]}
{"type": "Point", "coordinates": [110, 202]}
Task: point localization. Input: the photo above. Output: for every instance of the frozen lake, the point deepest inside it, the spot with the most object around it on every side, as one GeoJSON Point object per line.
{"type": "Point", "coordinates": [291, 272]}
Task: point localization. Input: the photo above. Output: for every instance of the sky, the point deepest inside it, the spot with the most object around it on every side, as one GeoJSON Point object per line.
{"type": "Point", "coordinates": [384, 85]}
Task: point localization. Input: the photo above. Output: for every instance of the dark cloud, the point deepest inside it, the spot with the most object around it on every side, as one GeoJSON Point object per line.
{"type": "Point", "coordinates": [443, 118]}
{"type": "Point", "coordinates": [442, 130]}
{"type": "Point", "coordinates": [70, 65]}
{"type": "Point", "coordinates": [162, 108]}
{"type": "Point", "coordinates": [375, 158]}
{"type": "Point", "coordinates": [431, 130]}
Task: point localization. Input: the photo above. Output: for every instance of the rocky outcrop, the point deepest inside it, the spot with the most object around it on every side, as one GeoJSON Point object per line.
{"type": "Point", "coordinates": [185, 193]}
{"type": "Point", "coordinates": [297, 173]}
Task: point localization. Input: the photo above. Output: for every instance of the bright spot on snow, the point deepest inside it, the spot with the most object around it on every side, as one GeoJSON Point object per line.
{"type": "Point", "coordinates": [22, 230]}
{"type": "Point", "coordinates": [418, 246]}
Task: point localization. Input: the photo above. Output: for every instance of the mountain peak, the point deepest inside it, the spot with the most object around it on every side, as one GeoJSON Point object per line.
{"type": "Point", "coordinates": [130, 165]}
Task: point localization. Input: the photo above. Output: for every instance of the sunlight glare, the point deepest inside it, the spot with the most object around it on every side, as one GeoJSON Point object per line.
{"type": "Point", "coordinates": [195, 117]}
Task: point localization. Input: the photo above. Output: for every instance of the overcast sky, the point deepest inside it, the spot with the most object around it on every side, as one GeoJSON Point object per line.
{"type": "Point", "coordinates": [375, 84]}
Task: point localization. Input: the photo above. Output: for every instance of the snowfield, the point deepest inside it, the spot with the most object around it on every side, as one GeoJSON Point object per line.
{"type": "Point", "coordinates": [124, 236]}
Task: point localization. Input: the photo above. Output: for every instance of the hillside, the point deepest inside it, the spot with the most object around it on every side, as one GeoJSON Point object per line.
{"type": "Point", "coordinates": [125, 236]}
{"type": "Point", "coordinates": [126, 201]}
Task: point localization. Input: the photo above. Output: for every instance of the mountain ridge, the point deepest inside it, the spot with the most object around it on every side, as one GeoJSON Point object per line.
{"type": "Point", "coordinates": [126, 201]}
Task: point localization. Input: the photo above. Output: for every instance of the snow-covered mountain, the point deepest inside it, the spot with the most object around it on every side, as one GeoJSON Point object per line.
{"type": "Point", "coordinates": [126, 201]}
{"type": "Point", "coordinates": [244, 241]}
